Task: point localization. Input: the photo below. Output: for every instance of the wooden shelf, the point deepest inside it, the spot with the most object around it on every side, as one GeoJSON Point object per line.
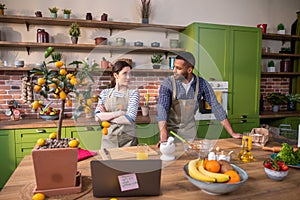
{"type": "Point", "coordinates": [281, 114]}
{"type": "Point", "coordinates": [280, 55]}
{"type": "Point", "coordinates": [76, 47]}
{"type": "Point", "coordinates": [280, 74]}
{"type": "Point", "coordinates": [28, 20]}
{"type": "Point", "coordinates": [281, 37]}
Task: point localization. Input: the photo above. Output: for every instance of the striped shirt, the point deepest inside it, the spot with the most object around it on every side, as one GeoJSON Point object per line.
{"type": "Point", "coordinates": [133, 102]}
{"type": "Point", "coordinates": [205, 91]}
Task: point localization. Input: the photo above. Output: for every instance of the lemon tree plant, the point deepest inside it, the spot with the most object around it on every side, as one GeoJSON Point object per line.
{"type": "Point", "coordinates": [64, 85]}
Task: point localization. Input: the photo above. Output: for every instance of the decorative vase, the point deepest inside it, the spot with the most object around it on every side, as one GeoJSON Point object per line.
{"type": "Point", "coordinates": [145, 20]}
{"type": "Point", "coordinates": [145, 110]}
{"type": "Point", "coordinates": [104, 64]}
{"type": "Point", "coordinates": [67, 16]}
{"type": "Point", "coordinates": [74, 39]}
{"type": "Point", "coordinates": [271, 69]}
{"type": "Point", "coordinates": [281, 31]}
{"type": "Point", "coordinates": [53, 15]}
{"type": "Point", "coordinates": [56, 171]}
{"type": "Point", "coordinates": [275, 108]}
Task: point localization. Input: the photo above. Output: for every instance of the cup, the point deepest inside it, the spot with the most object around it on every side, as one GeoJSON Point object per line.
{"type": "Point", "coordinates": [145, 110]}
{"type": "Point", "coordinates": [263, 27]}
{"type": "Point", "coordinates": [38, 14]}
{"type": "Point", "coordinates": [142, 151]}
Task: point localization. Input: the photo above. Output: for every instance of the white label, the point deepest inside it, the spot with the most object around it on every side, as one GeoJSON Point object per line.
{"type": "Point", "coordinates": [128, 182]}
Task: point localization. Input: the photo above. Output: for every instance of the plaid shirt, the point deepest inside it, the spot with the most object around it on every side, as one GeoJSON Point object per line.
{"type": "Point", "coordinates": [205, 90]}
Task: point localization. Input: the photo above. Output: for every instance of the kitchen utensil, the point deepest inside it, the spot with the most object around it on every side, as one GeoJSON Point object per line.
{"type": "Point", "coordinates": [192, 146]}
{"type": "Point", "coordinates": [107, 153]}
{"type": "Point", "coordinates": [276, 149]}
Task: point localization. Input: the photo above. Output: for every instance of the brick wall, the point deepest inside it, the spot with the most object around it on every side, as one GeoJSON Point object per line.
{"type": "Point", "coordinates": [274, 84]}
{"type": "Point", "coordinates": [11, 89]}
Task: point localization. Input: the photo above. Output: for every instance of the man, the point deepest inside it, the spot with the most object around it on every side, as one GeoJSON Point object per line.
{"type": "Point", "coordinates": [179, 98]}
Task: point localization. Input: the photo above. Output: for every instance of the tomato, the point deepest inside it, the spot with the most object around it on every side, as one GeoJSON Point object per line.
{"type": "Point", "coordinates": [284, 167]}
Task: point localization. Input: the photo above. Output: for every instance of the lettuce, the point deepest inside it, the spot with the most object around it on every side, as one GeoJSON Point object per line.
{"type": "Point", "coordinates": [287, 155]}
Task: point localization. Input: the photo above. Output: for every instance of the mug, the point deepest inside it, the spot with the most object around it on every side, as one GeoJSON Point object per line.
{"type": "Point", "coordinates": [263, 27]}
{"type": "Point", "coordinates": [38, 14]}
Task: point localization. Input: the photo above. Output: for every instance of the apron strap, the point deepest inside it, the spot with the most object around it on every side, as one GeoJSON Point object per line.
{"type": "Point", "coordinates": [174, 87]}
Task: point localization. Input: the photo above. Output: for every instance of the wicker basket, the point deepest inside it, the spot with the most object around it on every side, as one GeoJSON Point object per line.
{"type": "Point", "coordinates": [260, 136]}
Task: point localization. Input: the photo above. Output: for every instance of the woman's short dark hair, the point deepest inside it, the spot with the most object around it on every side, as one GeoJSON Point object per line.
{"type": "Point", "coordinates": [116, 68]}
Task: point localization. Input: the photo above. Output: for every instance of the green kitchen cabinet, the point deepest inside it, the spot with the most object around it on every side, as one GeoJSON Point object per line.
{"type": "Point", "coordinates": [233, 54]}
{"type": "Point", "coordinates": [7, 155]}
{"type": "Point", "coordinates": [25, 140]}
{"type": "Point", "coordinates": [244, 125]}
{"type": "Point", "coordinates": [147, 133]}
{"type": "Point", "coordinates": [211, 129]}
{"type": "Point", "coordinates": [88, 136]}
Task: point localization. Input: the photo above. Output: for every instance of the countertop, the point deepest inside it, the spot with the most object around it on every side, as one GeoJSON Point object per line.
{"type": "Point", "coordinates": [41, 123]}
{"type": "Point", "coordinates": [174, 184]}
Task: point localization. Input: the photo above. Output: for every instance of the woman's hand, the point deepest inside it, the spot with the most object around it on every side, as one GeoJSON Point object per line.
{"type": "Point", "coordinates": [102, 108]}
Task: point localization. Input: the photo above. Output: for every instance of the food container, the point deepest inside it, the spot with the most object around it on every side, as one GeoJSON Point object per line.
{"type": "Point", "coordinates": [155, 44]}
{"type": "Point", "coordinates": [120, 41]}
{"type": "Point", "coordinates": [260, 136]}
{"type": "Point", "coordinates": [19, 63]}
{"type": "Point", "coordinates": [138, 44]}
{"type": "Point", "coordinates": [101, 41]}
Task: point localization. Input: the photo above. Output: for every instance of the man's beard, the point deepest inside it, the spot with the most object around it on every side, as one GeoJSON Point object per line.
{"type": "Point", "coordinates": [181, 77]}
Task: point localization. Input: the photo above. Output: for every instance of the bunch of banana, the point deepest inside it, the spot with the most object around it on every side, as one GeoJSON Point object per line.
{"type": "Point", "coordinates": [220, 178]}
{"type": "Point", "coordinates": [203, 175]}
{"type": "Point", "coordinates": [196, 174]}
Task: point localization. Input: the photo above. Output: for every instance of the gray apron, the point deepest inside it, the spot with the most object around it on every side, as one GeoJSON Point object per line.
{"type": "Point", "coordinates": [181, 115]}
{"type": "Point", "coordinates": [119, 135]}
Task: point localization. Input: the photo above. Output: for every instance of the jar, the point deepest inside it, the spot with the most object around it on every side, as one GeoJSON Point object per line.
{"type": "Point", "coordinates": [88, 16]}
{"type": "Point", "coordinates": [42, 36]}
{"type": "Point", "coordinates": [104, 17]}
{"type": "Point", "coordinates": [285, 66]}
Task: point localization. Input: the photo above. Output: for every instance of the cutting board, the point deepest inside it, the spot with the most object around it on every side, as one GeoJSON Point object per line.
{"type": "Point", "coordinates": [124, 153]}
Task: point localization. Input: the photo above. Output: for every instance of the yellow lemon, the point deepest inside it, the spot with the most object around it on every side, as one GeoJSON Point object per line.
{"type": "Point", "coordinates": [53, 135]}
{"type": "Point", "coordinates": [73, 81]}
{"type": "Point", "coordinates": [95, 98]}
{"type": "Point", "coordinates": [62, 72]}
{"type": "Point", "coordinates": [62, 95]}
{"type": "Point", "coordinates": [73, 143]}
{"type": "Point", "coordinates": [87, 110]}
{"type": "Point", "coordinates": [104, 131]}
{"type": "Point", "coordinates": [38, 196]}
{"type": "Point", "coordinates": [41, 142]}
{"type": "Point", "coordinates": [58, 64]}
{"type": "Point", "coordinates": [56, 96]}
{"type": "Point", "coordinates": [89, 102]}
{"type": "Point", "coordinates": [52, 85]}
{"type": "Point", "coordinates": [35, 105]}
{"type": "Point", "coordinates": [105, 124]}
{"type": "Point", "coordinates": [69, 76]}
{"type": "Point", "coordinates": [37, 88]}
{"type": "Point", "coordinates": [69, 103]}
{"type": "Point", "coordinates": [41, 81]}
{"type": "Point", "coordinates": [113, 198]}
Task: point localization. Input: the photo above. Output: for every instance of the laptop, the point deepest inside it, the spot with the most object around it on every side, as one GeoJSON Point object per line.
{"type": "Point", "coordinates": [126, 178]}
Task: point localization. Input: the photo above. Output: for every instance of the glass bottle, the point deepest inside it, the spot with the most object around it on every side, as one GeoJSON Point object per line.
{"type": "Point", "coordinates": [245, 154]}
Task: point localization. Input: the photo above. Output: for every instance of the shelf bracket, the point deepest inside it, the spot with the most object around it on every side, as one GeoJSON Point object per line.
{"type": "Point", "coordinates": [28, 50]}
{"type": "Point", "coordinates": [166, 55]}
{"type": "Point", "coordinates": [27, 26]}
{"type": "Point", "coordinates": [110, 31]}
{"type": "Point", "coordinates": [167, 33]}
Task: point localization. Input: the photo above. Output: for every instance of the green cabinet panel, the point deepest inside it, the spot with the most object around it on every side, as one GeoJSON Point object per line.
{"type": "Point", "coordinates": [147, 133]}
{"type": "Point", "coordinates": [211, 129]}
{"type": "Point", "coordinates": [7, 155]}
{"type": "Point", "coordinates": [293, 121]}
{"type": "Point", "coordinates": [89, 137]}
{"type": "Point", "coordinates": [244, 124]}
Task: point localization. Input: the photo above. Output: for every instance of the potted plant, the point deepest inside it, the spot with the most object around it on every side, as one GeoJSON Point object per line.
{"type": "Point", "coordinates": [67, 13]}
{"type": "Point", "coordinates": [2, 8]}
{"type": "Point", "coordinates": [293, 99]}
{"type": "Point", "coordinates": [74, 32]}
{"type": "Point", "coordinates": [53, 12]}
{"type": "Point", "coordinates": [55, 158]}
{"type": "Point", "coordinates": [104, 63]}
{"type": "Point", "coordinates": [276, 99]}
{"type": "Point", "coordinates": [145, 107]}
{"type": "Point", "coordinates": [145, 11]}
{"type": "Point", "coordinates": [280, 29]}
{"type": "Point", "coordinates": [156, 60]}
{"type": "Point", "coordinates": [271, 66]}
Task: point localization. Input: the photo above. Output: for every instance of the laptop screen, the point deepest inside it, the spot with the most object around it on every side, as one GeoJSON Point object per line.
{"type": "Point", "coordinates": [117, 178]}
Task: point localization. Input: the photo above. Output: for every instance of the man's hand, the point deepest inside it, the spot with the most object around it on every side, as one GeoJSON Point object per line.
{"type": "Point", "coordinates": [236, 135]}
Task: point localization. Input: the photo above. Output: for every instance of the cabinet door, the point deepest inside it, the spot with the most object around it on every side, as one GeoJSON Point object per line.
{"type": "Point", "coordinates": [244, 85]}
{"type": "Point", "coordinates": [89, 137]}
{"type": "Point", "coordinates": [209, 44]}
{"type": "Point", "coordinates": [244, 125]}
{"type": "Point", "coordinates": [211, 129]}
{"type": "Point", "coordinates": [147, 133]}
{"type": "Point", "coordinates": [7, 155]}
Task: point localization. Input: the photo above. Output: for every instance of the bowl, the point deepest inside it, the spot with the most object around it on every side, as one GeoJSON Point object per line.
{"type": "Point", "coordinates": [276, 175]}
{"type": "Point", "coordinates": [138, 44]}
{"type": "Point", "coordinates": [49, 117]}
{"type": "Point", "coordinates": [218, 188]}
{"type": "Point", "coordinates": [19, 63]}
{"type": "Point", "coordinates": [155, 44]}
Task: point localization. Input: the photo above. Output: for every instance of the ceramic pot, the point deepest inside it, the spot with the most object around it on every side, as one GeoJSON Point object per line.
{"type": "Point", "coordinates": [67, 16]}
{"type": "Point", "coordinates": [145, 20]}
{"type": "Point", "coordinates": [271, 69]}
{"type": "Point", "coordinates": [101, 41]}
{"type": "Point", "coordinates": [275, 108]}
{"type": "Point", "coordinates": [74, 39]}
{"type": "Point", "coordinates": [145, 110]}
{"type": "Point", "coordinates": [292, 105]}
{"type": "Point", "coordinates": [53, 15]}
{"type": "Point", "coordinates": [104, 64]}
{"type": "Point", "coordinates": [38, 14]}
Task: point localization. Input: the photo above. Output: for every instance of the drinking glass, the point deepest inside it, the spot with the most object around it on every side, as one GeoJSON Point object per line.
{"type": "Point", "coordinates": [204, 146]}
{"type": "Point", "coordinates": [142, 151]}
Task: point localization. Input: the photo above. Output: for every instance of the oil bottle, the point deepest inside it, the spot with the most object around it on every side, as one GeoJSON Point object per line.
{"type": "Point", "coordinates": [245, 154]}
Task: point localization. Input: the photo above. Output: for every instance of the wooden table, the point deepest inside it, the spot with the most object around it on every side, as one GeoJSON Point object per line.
{"type": "Point", "coordinates": [174, 184]}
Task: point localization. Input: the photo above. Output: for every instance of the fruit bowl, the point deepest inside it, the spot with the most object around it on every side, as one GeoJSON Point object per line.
{"type": "Point", "coordinates": [218, 188]}
{"type": "Point", "coordinates": [49, 117]}
{"type": "Point", "coordinates": [276, 175]}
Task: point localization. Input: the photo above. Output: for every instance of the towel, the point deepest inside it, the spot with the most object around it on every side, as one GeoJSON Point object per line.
{"type": "Point", "coordinates": [84, 154]}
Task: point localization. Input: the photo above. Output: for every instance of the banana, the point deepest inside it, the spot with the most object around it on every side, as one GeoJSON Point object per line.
{"type": "Point", "coordinates": [194, 173]}
{"type": "Point", "coordinates": [220, 178]}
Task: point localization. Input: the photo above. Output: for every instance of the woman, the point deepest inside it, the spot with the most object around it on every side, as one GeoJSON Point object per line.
{"type": "Point", "coordinates": [119, 105]}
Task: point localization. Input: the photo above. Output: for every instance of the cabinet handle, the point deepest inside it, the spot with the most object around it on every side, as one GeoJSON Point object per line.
{"type": "Point", "coordinates": [210, 123]}
{"type": "Point", "coordinates": [88, 128]}
{"type": "Point", "coordinates": [243, 116]}
{"type": "Point", "coordinates": [243, 121]}
{"type": "Point", "coordinates": [40, 130]}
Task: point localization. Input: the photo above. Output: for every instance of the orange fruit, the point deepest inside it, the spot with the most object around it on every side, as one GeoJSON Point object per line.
{"type": "Point", "coordinates": [58, 64]}
{"type": "Point", "coordinates": [35, 105]}
{"type": "Point", "coordinates": [62, 95]}
{"type": "Point", "coordinates": [41, 142]}
{"type": "Point", "coordinates": [213, 166]}
{"type": "Point", "coordinates": [105, 124]}
{"type": "Point", "coordinates": [69, 76]}
{"type": "Point", "coordinates": [52, 85]}
{"type": "Point", "coordinates": [69, 102]}
{"type": "Point", "coordinates": [73, 81]}
{"type": "Point", "coordinates": [89, 102]}
{"type": "Point", "coordinates": [234, 176]}
{"type": "Point", "coordinates": [37, 88]}
{"type": "Point", "coordinates": [104, 131]}
{"type": "Point", "coordinates": [41, 81]}
{"type": "Point", "coordinates": [73, 143]}
{"type": "Point", "coordinates": [38, 196]}
{"type": "Point", "coordinates": [62, 72]}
